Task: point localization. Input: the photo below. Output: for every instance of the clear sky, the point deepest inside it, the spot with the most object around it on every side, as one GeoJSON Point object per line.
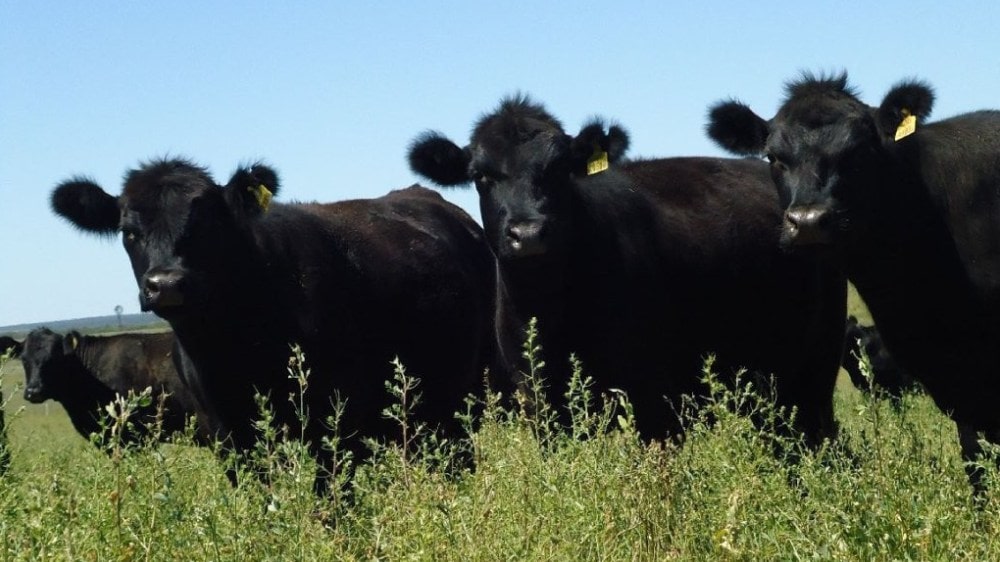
{"type": "Point", "coordinates": [331, 93]}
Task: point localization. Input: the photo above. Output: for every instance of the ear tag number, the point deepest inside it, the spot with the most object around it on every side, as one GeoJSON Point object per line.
{"type": "Point", "coordinates": [263, 196]}
{"type": "Point", "coordinates": [907, 126]}
{"type": "Point", "coordinates": [598, 161]}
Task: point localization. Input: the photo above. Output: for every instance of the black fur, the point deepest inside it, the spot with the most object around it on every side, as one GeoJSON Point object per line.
{"type": "Point", "coordinates": [643, 269]}
{"type": "Point", "coordinates": [354, 283]}
{"type": "Point", "coordinates": [439, 159]}
{"type": "Point", "coordinates": [913, 96]}
{"type": "Point", "coordinates": [915, 224]}
{"type": "Point", "coordinates": [92, 209]}
{"type": "Point", "coordinates": [886, 373]}
{"type": "Point", "coordinates": [9, 343]}
{"type": "Point", "coordinates": [734, 127]}
{"type": "Point", "coordinates": [84, 374]}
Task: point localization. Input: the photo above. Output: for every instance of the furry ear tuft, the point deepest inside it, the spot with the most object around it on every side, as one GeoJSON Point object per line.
{"type": "Point", "coordinates": [435, 157]}
{"type": "Point", "coordinates": [909, 97]}
{"type": "Point", "coordinates": [736, 128]}
{"type": "Point", "coordinates": [71, 341]}
{"type": "Point", "coordinates": [88, 207]}
{"type": "Point", "coordinates": [612, 139]}
{"type": "Point", "coordinates": [252, 186]}
{"type": "Point", "coordinates": [595, 137]}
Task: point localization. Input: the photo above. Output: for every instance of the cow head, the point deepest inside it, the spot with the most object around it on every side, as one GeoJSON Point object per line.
{"type": "Point", "coordinates": [46, 357]}
{"type": "Point", "coordinates": [522, 164]}
{"type": "Point", "coordinates": [829, 152]}
{"type": "Point", "coordinates": [184, 234]}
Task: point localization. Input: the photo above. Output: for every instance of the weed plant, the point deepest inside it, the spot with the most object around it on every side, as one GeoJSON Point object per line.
{"type": "Point", "coordinates": [893, 488]}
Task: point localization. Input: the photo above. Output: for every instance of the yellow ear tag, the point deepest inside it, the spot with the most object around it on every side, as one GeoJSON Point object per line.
{"type": "Point", "coordinates": [263, 195]}
{"type": "Point", "coordinates": [598, 161]}
{"type": "Point", "coordinates": [73, 342]}
{"type": "Point", "coordinates": [907, 126]}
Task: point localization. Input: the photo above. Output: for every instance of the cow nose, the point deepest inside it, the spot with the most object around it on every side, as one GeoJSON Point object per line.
{"type": "Point", "coordinates": [805, 226]}
{"type": "Point", "coordinates": [525, 238]}
{"type": "Point", "coordinates": [33, 394]}
{"type": "Point", "coordinates": [161, 289]}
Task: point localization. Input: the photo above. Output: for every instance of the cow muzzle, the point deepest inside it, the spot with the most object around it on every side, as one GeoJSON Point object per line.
{"type": "Point", "coordinates": [524, 239]}
{"type": "Point", "coordinates": [34, 393]}
{"type": "Point", "coordinates": [161, 290]}
{"type": "Point", "coordinates": [806, 226]}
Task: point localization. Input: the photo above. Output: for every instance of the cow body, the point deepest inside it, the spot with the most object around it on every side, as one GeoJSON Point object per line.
{"type": "Point", "coordinates": [911, 215]}
{"type": "Point", "coordinates": [354, 283]}
{"type": "Point", "coordinates": [86, 373]}
{"type": "Point", "coordinates": [644, 269]}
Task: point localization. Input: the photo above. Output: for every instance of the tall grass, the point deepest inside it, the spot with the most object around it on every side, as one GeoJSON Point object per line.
{"type": "Point", "coordinates": [893, 489]}
{"type": "Point", "coordinates": [4, 441]}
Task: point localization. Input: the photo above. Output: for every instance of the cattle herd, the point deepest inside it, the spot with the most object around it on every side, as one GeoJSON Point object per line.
{"type": "Point", "coordinates": [640, 268]}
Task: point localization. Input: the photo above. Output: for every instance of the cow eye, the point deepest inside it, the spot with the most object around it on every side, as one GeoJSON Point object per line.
{"type": "Point", "coordinates": [482, 179]}
{"type": "Point", "coordinates": [775, 161]}
{"type": "Point", "coordinates": [130, 235]}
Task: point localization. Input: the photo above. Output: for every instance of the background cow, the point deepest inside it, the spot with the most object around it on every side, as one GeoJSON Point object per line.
{"type": "Point", "coordinates": [886, 374]}
{"type": "Point", "coordinates": [355, 283]}
{"type": "Point", "coordinates": [643, 268]}
{"type": "Point", "coordinates": [85, 373]}
{"type": "Point", "coordinates": [910, 211]}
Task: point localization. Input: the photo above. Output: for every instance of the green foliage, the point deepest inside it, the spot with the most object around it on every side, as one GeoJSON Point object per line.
{"type": "Point", "coordinates": [892, 489]}
{"type": "Point", "coordinates": [4, 444]}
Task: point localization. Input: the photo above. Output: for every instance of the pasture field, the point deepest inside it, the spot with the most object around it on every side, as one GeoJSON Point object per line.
{"type": "Point", "coordinates": [893, 489]}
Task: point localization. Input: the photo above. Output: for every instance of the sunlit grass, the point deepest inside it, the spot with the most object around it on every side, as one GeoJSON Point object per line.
{"type": "Point", "coordinates": [893, 488]}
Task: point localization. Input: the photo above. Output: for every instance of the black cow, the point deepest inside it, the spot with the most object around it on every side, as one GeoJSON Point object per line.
{"type": "Point", "coordinates": [85, 373]}
{"type": "Point", "coordinates": [886, 374]}
{"type": "Point", "coordinates": [910, 211]}
{"type": "Point", "coordinates": [354, 283]}
{"type": "Point", "coordinates": [644, 268]}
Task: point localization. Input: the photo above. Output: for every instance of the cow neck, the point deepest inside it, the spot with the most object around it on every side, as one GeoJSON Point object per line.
{"type": "Point", "coordinates": [227, 370]}
{"type": "Point", "coordinates": [239, 342]}
{"type": "Point", "coordinates": [86, 395]}
{"type": "Point", "coordinates": [612, 220]}
{"type": "Point", "coordinates": [905, 255]}
{"type": "Point", "coordinates": [87, 354]}
{"type": "Point", "coordinates": [230, 332]}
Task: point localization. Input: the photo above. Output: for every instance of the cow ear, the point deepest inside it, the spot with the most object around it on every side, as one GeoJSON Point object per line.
{"type": "Point", "coordinates": [8, 343]}
{"type": "Point", "coordinates": [736, 128]}
{"type": "Point", "coordinates": [906, 103]}
{"type": "Point", "coordinates": [251, 188]}
{"type": "Point", "coordinates": [598, 146]}
{"type": "Point", "coordinates": [71, 341]}
{"type": "Point", "coordinates": [83, 203]}
{"type": "Point", "coordinates": [435, 157]}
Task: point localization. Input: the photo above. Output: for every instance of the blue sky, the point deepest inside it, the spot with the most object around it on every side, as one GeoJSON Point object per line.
{"type": "Point", "coordinates": [331, 93]}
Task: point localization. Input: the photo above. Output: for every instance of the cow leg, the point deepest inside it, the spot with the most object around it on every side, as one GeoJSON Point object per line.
{"type": "Point", "coordinates": [326, 470]}
{"type": "Point", "coordinates": [972, 450]}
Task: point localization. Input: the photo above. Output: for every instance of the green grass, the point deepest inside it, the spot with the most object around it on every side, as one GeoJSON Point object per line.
{"type": "Point", "coordinates": [893, 489]}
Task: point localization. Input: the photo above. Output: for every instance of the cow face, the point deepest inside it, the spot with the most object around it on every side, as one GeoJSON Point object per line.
{"type": "Point", "coordinates": [46, 357]}
{"type": "Point", "coordinates": [523, 166]}
{"type": "Point", "coordinates": [830, 153]}
{"type": "Point", "coordinates": [184, 234]}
